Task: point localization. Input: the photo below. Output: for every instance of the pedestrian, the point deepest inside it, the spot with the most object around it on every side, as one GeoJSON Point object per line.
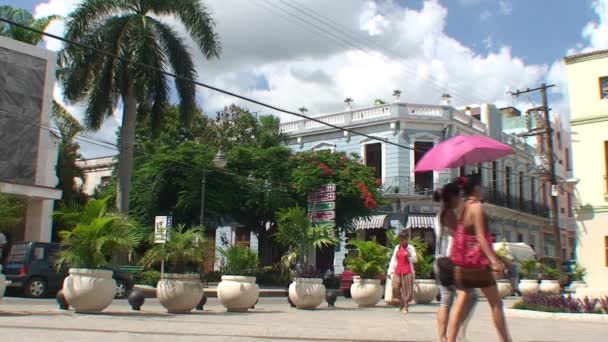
{"type": "Point", "coordinates": [401, 271]}
{"type": "Point", "coordinates": [450, 196]}
{"type": "Point", "coordinates": [475, 260]}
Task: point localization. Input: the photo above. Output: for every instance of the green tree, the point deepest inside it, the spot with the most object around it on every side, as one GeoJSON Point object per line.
{"type": "Point", "coordinates": [11, 212]}
{"type": "Point", "coordinates": [357, 188]}
{"type": "Point", "coordinates": [23, 17]}
{"type": "Point", "coordinates": [185, 246]}
{"type": "Point", "coordinates": [133, 30]}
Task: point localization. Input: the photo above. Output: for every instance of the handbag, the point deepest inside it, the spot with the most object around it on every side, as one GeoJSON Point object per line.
{"type": "Point", "coordinates": [468, 278]}
{"type": "Point", "coordinates": [445, 266]}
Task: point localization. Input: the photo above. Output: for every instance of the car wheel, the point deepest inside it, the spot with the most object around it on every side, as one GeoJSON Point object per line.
{"type": "Point", "coordinates": [35, 288]}
{"type": "Point", "coordinates": [121, 289]}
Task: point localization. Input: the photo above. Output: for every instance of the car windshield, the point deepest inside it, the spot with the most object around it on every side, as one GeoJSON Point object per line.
{"type": "Point", "coordinates": [18, 254]}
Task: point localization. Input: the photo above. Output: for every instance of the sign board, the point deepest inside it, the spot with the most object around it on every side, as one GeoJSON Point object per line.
{"type": "Point", "coordinates": [322, 197]}
{"type": "Point", "coordinates": [161, 228]}
{"type": "Point", "coordinates": [327, 188]}
{"type": "Point", "coordinates": [321, 206]}
{"type": "Point", "coordinates": [324, 222]}
{"type": "Point", "coordinates": [324, 215]}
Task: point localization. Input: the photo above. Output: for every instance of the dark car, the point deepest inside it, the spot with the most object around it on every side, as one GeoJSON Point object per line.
{"type": "Point", "coordinates": [31, 267]}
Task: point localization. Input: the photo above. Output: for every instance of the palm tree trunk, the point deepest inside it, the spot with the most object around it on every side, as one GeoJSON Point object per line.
{"type": "Point", "coordinates": [127, 142]}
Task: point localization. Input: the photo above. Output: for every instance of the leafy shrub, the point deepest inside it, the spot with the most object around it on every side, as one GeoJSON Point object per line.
{"type": "Point", "coordinates": [213, 277]}
{"type": "Point", "coordinates": [186, 245]}
{"type": "Point", "coordinates": [604, 304]}
{"type": "Point", "coordinates": [424, 265]}
{"type": "Point", "coordinates": [556, 303]}
{"type": "Point", "coordinates": [579, 273]}
{"type": "Point", "coordinates": [240, 261]}
{"type": "Point", "coordinates": [370, 261]}
{"type": "Point", "coordinates": [549, 273]}
{"type": "Point", "coordinates": [529, 269]}
{"type": "Point", "coordinates": [149, 278]}
{"type": "Point", "coordinates": [272, 276]}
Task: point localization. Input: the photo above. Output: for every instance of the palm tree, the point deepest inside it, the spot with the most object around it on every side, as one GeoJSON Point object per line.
{"type": "Point", "coordinates": [348, 101]}
{"type": "Point", "coordinates": [303, 110]}
{"type": "Point", "coordinates": [23, 17]}
{"type": "Point", "coordinates": [94, 234]}
{"type": "Point", "coordinates": [379, 102]}
{"type": "Point", "coordinates": [185, 246]}
{"type": "Point", "coordinates": [132, 30]}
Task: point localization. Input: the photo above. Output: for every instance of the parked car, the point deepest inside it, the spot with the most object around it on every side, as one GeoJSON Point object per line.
{"type": "Point", "coordinates": [31, 267]}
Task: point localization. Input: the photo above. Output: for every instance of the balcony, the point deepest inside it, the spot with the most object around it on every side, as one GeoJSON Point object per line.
{"type": "Point", "coordinates": [513, 202]}
{"type": "Point", "coordinates": [405, 186]}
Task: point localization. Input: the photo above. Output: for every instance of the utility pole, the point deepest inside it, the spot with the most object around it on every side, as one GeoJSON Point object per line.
{"type": "Point", "coordinates": [550, 159]}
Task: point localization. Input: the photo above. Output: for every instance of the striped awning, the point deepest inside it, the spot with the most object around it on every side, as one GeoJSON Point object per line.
{"type": "Point", "coordinates": [421, 221]}
{"type": "Point", "coordinates": [372, 222]}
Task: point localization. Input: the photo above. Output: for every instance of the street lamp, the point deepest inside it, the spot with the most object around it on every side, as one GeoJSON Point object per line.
{"type": "Point", "coordinates": [219, 162]}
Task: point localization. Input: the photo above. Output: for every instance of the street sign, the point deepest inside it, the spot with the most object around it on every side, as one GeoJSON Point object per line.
{"type": "Point", "coordinates": [324, 222]}
{"type": "Point", "coordinates": [322, 197]}
{"type": "Point", "coordinates": [324, 215]}
{"type": "Point", "coordinates": [327, 188]}
{"type": "Point", "coordinates": [321, 206]}
{"type": "Point", "coordinates": [162, 232]}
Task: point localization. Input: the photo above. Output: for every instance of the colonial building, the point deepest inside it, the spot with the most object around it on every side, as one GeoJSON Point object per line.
{"type": "Point", "coordinates": [516, 213]}
{"type": "Point", "coordinates": [97, 172]}
{"type": "Point", "coordinates": [588, 92]}
{"type": "Point", "coordinates": [28, 153]}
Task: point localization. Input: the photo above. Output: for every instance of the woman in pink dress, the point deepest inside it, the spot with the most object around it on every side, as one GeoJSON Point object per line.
{"type": "Point", "coordinates": [401, 271]}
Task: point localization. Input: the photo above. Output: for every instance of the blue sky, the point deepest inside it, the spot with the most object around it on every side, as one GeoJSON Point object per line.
{"type": "Point", "coordinates": [475, 50]}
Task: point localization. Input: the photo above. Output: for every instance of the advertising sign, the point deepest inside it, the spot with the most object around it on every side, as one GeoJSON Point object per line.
{"type": "Point", "coordinates": [322, 197]}
{"type": "Point", "coordinates": [321, 206]}
{"type": "Point", "coordinates": [161, 228]}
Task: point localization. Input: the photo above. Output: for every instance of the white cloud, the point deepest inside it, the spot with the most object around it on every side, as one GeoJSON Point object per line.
{"type": "Point", "coordinates": [505, 6]}
{"type": "Point", "coordinates": [596, 31]}
{"type": "Point", "coordinates": [394, 48]}
{"type": "Point", "coordinates": [485, 15]}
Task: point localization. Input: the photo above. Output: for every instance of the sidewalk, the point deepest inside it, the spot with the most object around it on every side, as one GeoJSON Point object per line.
{"type": "Point", "coordinates": [272, 320]}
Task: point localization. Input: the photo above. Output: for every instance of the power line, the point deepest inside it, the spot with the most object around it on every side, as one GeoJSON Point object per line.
{"type": "Point", "coordinates": [204, 85]}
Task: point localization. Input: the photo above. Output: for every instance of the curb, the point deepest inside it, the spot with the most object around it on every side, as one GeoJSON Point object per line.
{"type": "Point", "coordinates": [557, 315]}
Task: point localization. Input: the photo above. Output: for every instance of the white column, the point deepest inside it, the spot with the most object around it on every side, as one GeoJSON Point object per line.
{"type": "Point", "coordinates": [38, 225]}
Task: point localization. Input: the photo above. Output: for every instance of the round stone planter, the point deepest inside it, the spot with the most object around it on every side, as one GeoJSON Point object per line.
{"type": "Point", "coordinates": [307, 293]}
{"type": "Point", "coordinates": [2, 283]}
{"type": "Point", "coordinates": [504, 287]}
{"type": "Point", "coordinates": [528, 287]}
{"type": "Point", "coordinates": [425, 290]}
{"type": "Point", "coordinates": [179, 293]}
{"type": "Point", "coordinates": [577, 284]}
{"type": "Point", "coordinates": [89, 290]}
{"type": "Point", "coordinates": [238, 293]}
{"type": "Point", "coordinates": [550, 287]}
{"type": "Point", "coordinates": [366, 292]}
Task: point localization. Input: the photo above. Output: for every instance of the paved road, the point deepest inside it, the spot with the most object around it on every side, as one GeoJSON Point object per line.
{"type": "Point", "coordinates": [273, 320]}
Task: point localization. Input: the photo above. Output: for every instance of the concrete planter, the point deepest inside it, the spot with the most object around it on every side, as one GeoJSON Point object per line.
{"type": "Point", "coordinates": [577, 284]}
{"type": "Point", "coordinates": [366, 292]}
{"type": "Point", "coordinates": [238, 293]}
{"type": "Point", "coordinates": [528, 287]}
{"type": "Point", "coordinates": [425, 290]}
{"type": "Point", "coordinates": [550, 287]}
{"type": "Point", "coordinates": [504, 288]}
{"type": "Point", "coordinates": [2, 283]}
{"type": "Point", "coordinates": [307, 293]}
{"type": "Point", "coordinates": [88, 290]}
{"type": "Point", "coordinates": [179, 293]}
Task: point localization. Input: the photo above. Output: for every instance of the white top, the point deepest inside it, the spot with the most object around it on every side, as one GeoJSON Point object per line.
{"type": "Point", "coordinates": [411, 257]}
{"type": "Point", "coordinates": [443, 242]}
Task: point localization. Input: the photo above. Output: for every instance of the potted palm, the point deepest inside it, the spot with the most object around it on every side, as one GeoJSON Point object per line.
{"type": "Point", "coordinates": [302, 237]}
{"type": "Point", "coordinates": [528, 285]}
{"type": "Point", "coordinates": [178, 291]}
{"type": "Point", "coordinates": [577, 278]}
{"type": "Point", "coordinates": [238, 290]}
{"type": "Point", "coordinates": [549, 280]}
{"type": "Point", "coordinates": [369, 263]}
{"type": "Point", "coordinates": [425, 287]}
{"type": "Point", "coordinates": [95, 235]}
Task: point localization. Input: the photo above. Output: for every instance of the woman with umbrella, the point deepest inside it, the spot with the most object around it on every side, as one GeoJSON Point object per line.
{"type": "Point", "coordinates": [472, 254]}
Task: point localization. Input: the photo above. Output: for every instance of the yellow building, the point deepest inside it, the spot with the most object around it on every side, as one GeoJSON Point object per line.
{"type": "Point", "coordinates": [588, 88]}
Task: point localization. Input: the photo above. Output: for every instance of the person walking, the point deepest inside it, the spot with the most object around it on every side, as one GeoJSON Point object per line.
{"type": "Point", "coordinates": [451, 199]}
{"type": "Point", "coordinates": [401, 271]}
{"type": "Point", "coordinates": [475, 260]}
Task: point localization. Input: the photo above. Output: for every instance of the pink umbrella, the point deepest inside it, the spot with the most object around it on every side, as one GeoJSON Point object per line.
{"type": "Point", "coordinates": [462, 150]}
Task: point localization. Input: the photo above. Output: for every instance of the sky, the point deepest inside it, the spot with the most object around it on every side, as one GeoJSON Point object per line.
{"type": "Point", "coordinates": [315, 53]}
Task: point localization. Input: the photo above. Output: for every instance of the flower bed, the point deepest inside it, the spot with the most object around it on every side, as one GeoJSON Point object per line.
{"type": "Point", "coordinates": [563, 304]}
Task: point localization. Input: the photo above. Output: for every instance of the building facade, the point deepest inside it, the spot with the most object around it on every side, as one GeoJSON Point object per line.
{"type": "Point", "coordinates": [588, 92]}
{"type": "Point", "coordinates": [97, 173]}
{"type": "Point", "coordinates": [512, 195]}
{"type": "Point", "coordinates": [29, 149]}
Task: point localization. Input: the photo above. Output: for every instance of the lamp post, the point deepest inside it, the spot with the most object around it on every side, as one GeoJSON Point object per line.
{"type": "Point", "coordinates": [219, 162]}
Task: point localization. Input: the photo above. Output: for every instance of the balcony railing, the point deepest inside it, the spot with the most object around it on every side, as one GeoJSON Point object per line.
{"type": "Point", "coordinates": [406, 186]}
{"type": "Point", "coordinates": [514, 202]}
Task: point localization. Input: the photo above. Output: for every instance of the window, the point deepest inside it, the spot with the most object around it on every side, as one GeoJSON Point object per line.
{"type": "Point", "coordinates": [462, 171]}
{"type": "Point", "coordinates": [606, 248]}
{"type": "Point", "coordinates": [521, 187]}
{"type": "Point", "coordinates": [606, 166]}
{"type": "Point", "coordinates": [508, 184]}
{"type": "Point", "coordinates": [39, 253]}
{"type": "Point", "coordinates": [373, 158]}
{"type": "Point", "coordinates": [567, 156]}
{"type": "Point", "coordinates": [422, 180]}
{"type": "Point", "coordinates": [105, 180]}
{"type": "Point", "coordinates": [520, 237]}
{"type": "Point", "coordinates": [604, 87]}
{"type": "Point", "coordinates": [559, 140]}
{"type": "Point", "coordinates": [544, 190]}
{"type": "Point", "coordinates": [494, 184]}
{"type": "Point", "coordinates": [242, 237]}
{"type": "Point", "coordinates": [570, 205]}
{"type": "Point", "coordinates": [562, 210]}
{"type": "Point", "coordinates": [532, 191]}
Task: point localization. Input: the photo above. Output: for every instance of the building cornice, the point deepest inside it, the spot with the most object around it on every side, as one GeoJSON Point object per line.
{"type": "Point", "coordinates": [582, 57]}
{"type": "Point", "coordinates": [589, 120]}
